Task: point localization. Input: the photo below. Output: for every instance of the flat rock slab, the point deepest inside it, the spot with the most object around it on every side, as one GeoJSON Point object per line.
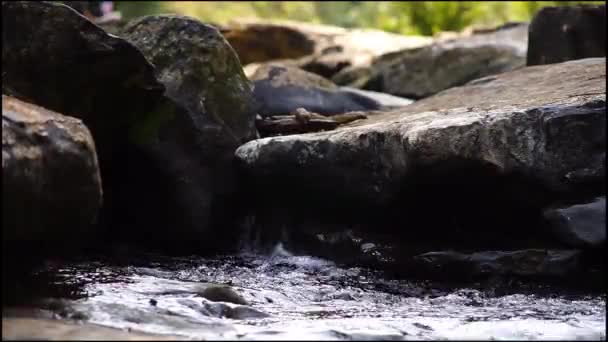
{"type": "Point", "coordinates": [547, 122]}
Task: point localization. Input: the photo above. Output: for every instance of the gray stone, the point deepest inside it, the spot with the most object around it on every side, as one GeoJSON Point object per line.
{"type": "Point", "coordinates": [282, 89]}
{"type": "Point", "coordinates": [580, 225]}
{"type": "Point", "coordinates": [221, 293]}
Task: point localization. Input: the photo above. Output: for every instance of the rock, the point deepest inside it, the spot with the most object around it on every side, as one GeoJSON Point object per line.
{"type": "Point", "coordinates": [320, 49]}
{"type": "Point", "coordinates": [559, 34]}
{"type": "Point", "coordinates": [521, 120]}
{"type": "Point", "coordinates": [220, 293]}
{"type": "Point", "coordinates": [165, 157]}
{"type": "Point", "coordinates": [50, 329]}
{"type": "Point", "coordinates": [245, 312]}
{"type": "Point", "coordinates": [60, 60]}
{"type": "Point", "coordinates": [51, 186]}
{"type": "Point", "coordinates": [503, 144]}
{"type": "Point", "coordinates": [419, 73]}
{"type": "Point", "coordinates": [258, 42]}
{"type": "Point", "coordinates": [580, 225]}
{"type": "Point", "coordinates": [343, 296]}
{"type": "Point", "coordinates": [357, 48]}
{"type": "Point", "coordinates": [222, 310]}
{"type": "Point", "coordinates": [282, 89]}
{"type": "Point", "coordinates": [524, 263]}
{"type": "Point", "coordinates": [200, 72]}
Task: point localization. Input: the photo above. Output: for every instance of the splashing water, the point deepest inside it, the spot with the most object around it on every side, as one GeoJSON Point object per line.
{"type": "Point", "coordinates": [312, 298]}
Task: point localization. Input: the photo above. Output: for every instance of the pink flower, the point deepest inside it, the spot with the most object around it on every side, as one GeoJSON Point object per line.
{"type": "Point", "coordinates": [107, 7]}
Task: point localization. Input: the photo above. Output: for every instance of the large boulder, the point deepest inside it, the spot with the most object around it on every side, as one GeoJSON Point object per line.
{"type": "Point", "coordinates": [496, 150]}
{"type": "Point", "coordinates": [165, 152]}
{"type": "Point", "coordinates": [51, 186]}
{"type": "Point", "coordinates": [281, 89]}
{"type": "Point", "coordinates": [418, 73]}
{"type": "Point", "coordinates": [580, 225]}
{"type": "Point", "coordinates": [559, 34]}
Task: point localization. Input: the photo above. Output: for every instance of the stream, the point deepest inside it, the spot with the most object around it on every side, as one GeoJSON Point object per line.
{"type": "Point", "coordinates": [304, 297]}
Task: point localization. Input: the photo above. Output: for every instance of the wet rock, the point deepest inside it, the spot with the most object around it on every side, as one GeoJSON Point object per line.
{"type": "Point", "coordinates": [518, 121]}
{"type": "Point", "coordinates": [525, 263]}
{"type": "Point", "coordinates": [47, 329]}
{"type": "Point", "coordinates": [245, 312]}
{"type": "Point", "coordinates": [51, 186]}
{"type": "Point", "coordinates": [282, 89]}
{"type": "Point", "coordinates": [343, 296]}
{"type": "Point", "coordinates": [222, 310]}
{"type": "Point", "coordinates": [418, 73]}
{"type": "Point", "coordinates": [580, 225]}
{"type": "Point", "coordinates": [221, 293]}
{"type": "Point", "coordinates": [559, 34]}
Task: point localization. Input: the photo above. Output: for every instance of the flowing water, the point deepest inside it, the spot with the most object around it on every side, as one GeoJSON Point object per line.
{"type": "Point", "coordinates": [303, 297]}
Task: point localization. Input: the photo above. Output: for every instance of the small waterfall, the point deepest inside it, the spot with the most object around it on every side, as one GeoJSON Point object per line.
{"type": "Point", "coordinates": [259, 239]}
{"type": "Point", "coordinates": [280, 251]}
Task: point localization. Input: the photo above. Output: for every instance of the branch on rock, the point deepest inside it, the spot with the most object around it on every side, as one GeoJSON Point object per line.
{"type": "Point", "coordinates": [303, 121]}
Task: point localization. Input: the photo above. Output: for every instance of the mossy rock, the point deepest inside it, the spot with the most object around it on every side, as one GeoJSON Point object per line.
{"type": "Point", "coordinates": [202, 73]}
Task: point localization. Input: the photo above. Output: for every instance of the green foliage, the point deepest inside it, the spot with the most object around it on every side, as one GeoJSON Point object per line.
{"type": "Point", "coordinates": [407, 17]}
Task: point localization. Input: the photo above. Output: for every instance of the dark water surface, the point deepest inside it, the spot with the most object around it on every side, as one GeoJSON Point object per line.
{"type": "Point", "coordinates": [306, 298]}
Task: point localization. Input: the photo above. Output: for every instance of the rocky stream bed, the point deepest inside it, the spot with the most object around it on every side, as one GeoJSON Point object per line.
{"type": "Point", "coordinates": [165, 178]}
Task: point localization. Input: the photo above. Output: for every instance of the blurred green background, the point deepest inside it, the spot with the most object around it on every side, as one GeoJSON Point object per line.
{"type": "Point", "coordinates": [419, 17]}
